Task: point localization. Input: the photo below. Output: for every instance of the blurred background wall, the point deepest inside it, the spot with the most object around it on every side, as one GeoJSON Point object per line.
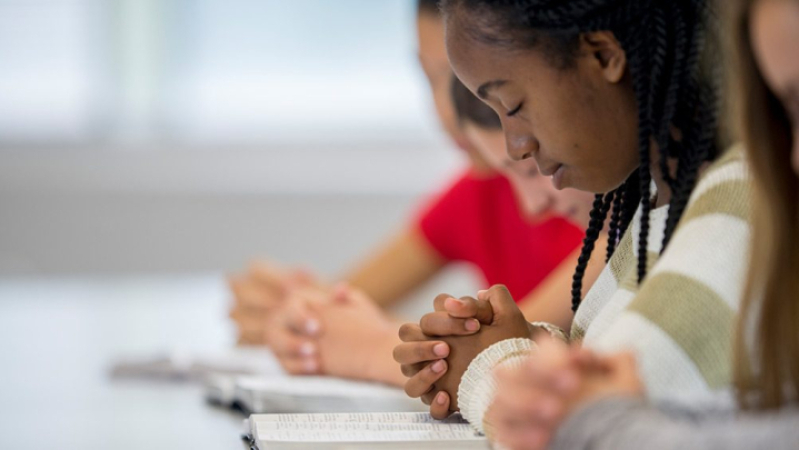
{"type": "Point", "coordinates": [167, 136]}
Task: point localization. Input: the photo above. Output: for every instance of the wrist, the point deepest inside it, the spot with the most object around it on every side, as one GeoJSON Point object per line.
{"type": "Point", "coordinates": [477, 387]}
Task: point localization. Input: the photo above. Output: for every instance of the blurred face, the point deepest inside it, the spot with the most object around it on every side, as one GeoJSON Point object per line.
{"type": "Point", "coordinates": [579, 124]}
{"type": "Point", "coordinates": [775, 41]}
{"type": "Point", "coordinates": [535, 192]}
{"type": "Point", "coordinates": [433, 58]}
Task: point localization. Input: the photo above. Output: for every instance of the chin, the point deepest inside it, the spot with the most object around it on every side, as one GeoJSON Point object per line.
{"type": "Point", "coordinates": [597, 188]}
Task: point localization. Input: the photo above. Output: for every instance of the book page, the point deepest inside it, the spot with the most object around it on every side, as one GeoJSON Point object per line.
{"type": "Point", "coordinates": [289, 394]}
{"type": "Point", "coordinates": [319, 386]}
{"type": "Point", "coordinates": [383, 417]}
{"type": "Point", "coordinates": [360, 427]}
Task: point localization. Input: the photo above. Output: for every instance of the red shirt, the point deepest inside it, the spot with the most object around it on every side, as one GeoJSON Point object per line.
{"type": "Point", "coordinates": [477, 220]}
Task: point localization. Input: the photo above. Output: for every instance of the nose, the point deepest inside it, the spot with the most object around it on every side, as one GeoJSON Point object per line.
{"type": "Point", "coordinates": [519, 145]}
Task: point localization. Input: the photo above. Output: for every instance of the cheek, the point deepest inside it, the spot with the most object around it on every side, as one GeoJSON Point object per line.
{"type": "Point", "coordinates": [590, 126]}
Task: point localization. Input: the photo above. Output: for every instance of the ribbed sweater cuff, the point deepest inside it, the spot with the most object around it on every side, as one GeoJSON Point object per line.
{"type": "Point", "coordinates": [477, 387]}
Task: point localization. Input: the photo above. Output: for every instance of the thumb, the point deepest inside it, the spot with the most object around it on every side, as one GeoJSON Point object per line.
{"type": "Point", "coordinates": [500, 300]}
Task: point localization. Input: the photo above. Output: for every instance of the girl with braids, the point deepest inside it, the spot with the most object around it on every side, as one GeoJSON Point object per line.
{"type": "Point", "coordinates": [602, 407]}
{"type": "Point", "coordinates": [610, 97]}
{"type": "Point", "coordinates": [537, 196]}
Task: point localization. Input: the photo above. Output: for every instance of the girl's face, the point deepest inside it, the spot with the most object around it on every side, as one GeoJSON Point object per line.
{"type": "Point", "coordinates": [537, 195]}
{"type": "Point", "coordinates": [579, 124]}
{"type": "Point", "coordinates": [775, 42]}
{"type": "Point", "coordinates": [433, 58]}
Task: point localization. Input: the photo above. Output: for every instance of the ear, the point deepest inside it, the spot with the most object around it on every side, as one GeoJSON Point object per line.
{"type": "Point", "coordinates": [607, 52]}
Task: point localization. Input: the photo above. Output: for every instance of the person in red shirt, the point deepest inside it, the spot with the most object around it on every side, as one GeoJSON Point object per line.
{"type": "Point", "coordinates": [506, 230]}
{"type": "Point", "coordinates": [477, 220]}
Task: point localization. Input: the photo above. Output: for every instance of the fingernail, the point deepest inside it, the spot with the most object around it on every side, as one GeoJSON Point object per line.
{"type": "Point", "coordinates": [307, 349]}
{"type": "Point", "coordinates": [312, 326]}
{"type": "Point", "coordinates": [311, 366]}
{"type": "Point", "coordinates": [440, 398]}
{"type": "Point", "coordinates": [438, 366]}
{"type": "Point", "coordinates": [472, 325]}
{"type": "Point", "coordinates": [441, 350]}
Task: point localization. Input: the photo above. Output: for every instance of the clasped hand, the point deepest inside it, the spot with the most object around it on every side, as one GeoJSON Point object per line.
{"type": "Point", "coordinates": [312, 328]}
{"type": "Point", "coordinates": [534, 399]}
{"type": "Point", "coordinates": [436, 352]}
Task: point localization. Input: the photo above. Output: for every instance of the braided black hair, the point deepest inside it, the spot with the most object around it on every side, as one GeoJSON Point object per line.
{"type": "Point", "coordinates": [665, 42]}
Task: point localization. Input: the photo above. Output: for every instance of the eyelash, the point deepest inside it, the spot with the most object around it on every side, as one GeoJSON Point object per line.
{"type": "Point", "coordinates": [515, 110]}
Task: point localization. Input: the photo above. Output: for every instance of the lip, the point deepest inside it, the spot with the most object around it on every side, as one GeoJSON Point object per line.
{"type": "Point", "coordinates": [557, 178]}
{"type": "Point", "coordinates": [550, 171]}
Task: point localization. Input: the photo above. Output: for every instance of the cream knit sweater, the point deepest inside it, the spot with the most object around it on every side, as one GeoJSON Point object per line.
{"type": "Point", "coordinates": [679, 322]}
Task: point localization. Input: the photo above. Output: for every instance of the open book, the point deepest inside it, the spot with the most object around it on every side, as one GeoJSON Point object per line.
{"type": "Point", "coordinates": [307, 394]}
{"type": "Point", "coordinates": [361, 430]}
{"type": "Point", "coordinates": [194, 366]}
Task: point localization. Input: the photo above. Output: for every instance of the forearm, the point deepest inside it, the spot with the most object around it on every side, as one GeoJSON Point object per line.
{"type": "Point", "coordinates": [394, 270]}
{"type": "Point", "coordinates": [621, 424]}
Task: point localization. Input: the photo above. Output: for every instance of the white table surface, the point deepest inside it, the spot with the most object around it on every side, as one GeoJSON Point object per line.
{"type": "Point", "coordinates": [59, 337]}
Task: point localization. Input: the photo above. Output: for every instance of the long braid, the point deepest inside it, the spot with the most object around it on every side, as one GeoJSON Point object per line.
{"type": "Point", "coordinates": [668, 146]}
{"type": "Point", "coordinates": [615, 221]}
{"type": "Point", "coordinates": [642, 80]}
{"type": "Point", "coordinates": [705, 150]}
{"type": "Point", "coordinates": [663, 41]}
{"type": "Point", "coordinates": [598, 215]}
{"type": "Point", "coordinates": [632, 197]}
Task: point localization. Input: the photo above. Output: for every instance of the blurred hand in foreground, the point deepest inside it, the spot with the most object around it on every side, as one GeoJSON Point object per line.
{"type": "Point", "coordinates": [534, 399]}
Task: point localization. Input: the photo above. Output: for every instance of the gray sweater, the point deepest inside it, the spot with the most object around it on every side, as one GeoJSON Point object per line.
{"type": "Point", "coordinates": [625, 423]}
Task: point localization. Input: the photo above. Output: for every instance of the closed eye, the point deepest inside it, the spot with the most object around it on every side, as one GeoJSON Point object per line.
{"type": "Point", "coordinates": [515, 110]}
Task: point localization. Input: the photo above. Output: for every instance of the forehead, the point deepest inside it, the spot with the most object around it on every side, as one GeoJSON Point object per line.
{"type": "Point", "coordinates": [476, 62]}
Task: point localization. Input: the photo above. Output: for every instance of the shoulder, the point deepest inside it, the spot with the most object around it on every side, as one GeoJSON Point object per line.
{"type": "Point", "coordinates": [724, 188]}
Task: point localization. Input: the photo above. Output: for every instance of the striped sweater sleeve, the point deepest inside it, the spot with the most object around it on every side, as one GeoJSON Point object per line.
{"type": "Point", "coordinates": [680, 321]}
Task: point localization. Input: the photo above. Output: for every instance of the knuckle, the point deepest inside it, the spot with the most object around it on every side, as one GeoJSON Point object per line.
{"type": "Point", "coordinates": [410, 391]}
{"type": "Point", "coordinates": [408, 370]}
{"type": "Point", "coordinates": [500, 289]}
{"type": "Point", "coordinates": [423, 352]}
{"type": "Point", "coordinates": [397, 354]}
{"type": "Point", "coordinates": [438, 302]}
{"type": "Point", "coordinates": [434, 324]}
{"type": "Point", "coordinates": [406, 331]}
